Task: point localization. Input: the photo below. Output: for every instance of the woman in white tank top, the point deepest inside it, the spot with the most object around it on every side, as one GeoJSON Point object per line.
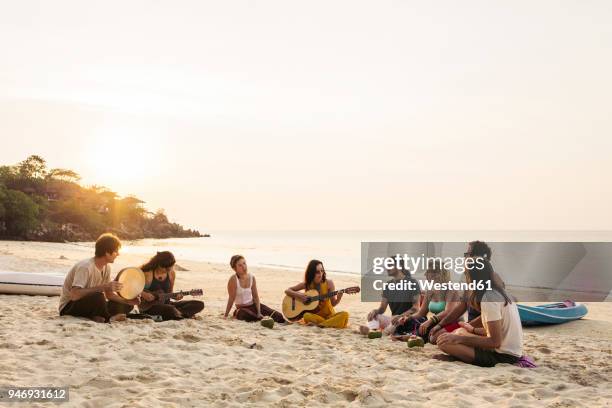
{"type": "Point", "coordinates": [242, 292]}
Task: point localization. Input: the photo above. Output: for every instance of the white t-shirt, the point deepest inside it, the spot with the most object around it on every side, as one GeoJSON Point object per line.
{"type": "Point", "coordinates": [85, 274]}
{"type": "Point", "coordinates": [492, 308]}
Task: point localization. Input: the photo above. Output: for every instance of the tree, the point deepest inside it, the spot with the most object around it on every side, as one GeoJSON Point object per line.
{"type": "Point", "coordinates": [160, 217]}
{"type": "Point", "coordinates": [2, 200]}
{"type": "Point", "coordinates": [20, 213]}
{"type": "Point", "coordinates": [37, 203]}
{"type": "Point", "coordinates": [63, 175]}
{"type": "Point", "coordinates": [34, 167]}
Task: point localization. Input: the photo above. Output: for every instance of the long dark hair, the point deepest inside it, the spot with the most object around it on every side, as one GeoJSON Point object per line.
{"type": "Point", "coordinates": [480, 249]}
{"type": "Point", "coordinates": [484, 274]}
{"type": "Point", "coordinates": [311, 271]}
{"type": "Point", "coordinates": [163, 259]}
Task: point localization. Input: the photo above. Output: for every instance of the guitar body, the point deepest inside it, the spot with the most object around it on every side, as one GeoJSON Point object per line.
{"type": "Point", "coordinates": [144, 305]}
{"type": "Point", "coordinates": [294, 309]}
{"type": "Point", "coordinates": [162, 297]}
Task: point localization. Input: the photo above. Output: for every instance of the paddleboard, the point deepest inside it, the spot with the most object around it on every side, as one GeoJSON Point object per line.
{"type": "Point", "coordinates": [23, 283]}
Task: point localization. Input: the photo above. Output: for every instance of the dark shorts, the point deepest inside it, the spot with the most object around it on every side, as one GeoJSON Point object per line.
{"type": "Point", "coordinates": [488, 358]}
{"type": "Point", "coordinates": [411, 326]}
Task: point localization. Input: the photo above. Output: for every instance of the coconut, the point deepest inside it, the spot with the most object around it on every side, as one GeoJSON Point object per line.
{"type": "Point", "coordinates": [415, 341]}
{"type": "Point", "coordinates": [374, 334]}
{"type": "Point", "coordinates": [267, 322]}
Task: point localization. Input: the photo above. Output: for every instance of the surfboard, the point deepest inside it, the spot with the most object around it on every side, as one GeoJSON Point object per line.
{"type": "Point", "coordinates": [23, 283]}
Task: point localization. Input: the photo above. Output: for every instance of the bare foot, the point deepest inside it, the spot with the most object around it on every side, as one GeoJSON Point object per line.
{"type": "Point", "coordinates": [98, 319]}
{"type": "Point", "coordinates": [120, 317]}
{"type": "Point", "coordinates": [403, 337]}
{"type": "Point", "coordinates": [444, 357]}
{"type": "Point", "coordinates": [364, 330]}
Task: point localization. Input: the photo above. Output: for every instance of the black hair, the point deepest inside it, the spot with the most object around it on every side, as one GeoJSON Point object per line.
{"type": "Point", "coordinates": [163, 259]}
{"type": "Point", "coordinates": [311, 271]}
{"type": "Point", "coordinates": [483, 275]}
{"type": "Point", "coordinates": [480, 249]}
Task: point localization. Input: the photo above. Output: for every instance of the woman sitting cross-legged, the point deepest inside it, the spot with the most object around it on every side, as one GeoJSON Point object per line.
{"type": "Point", "coordinates": [437, 302]}
{"type": "Point", "coordinates": [325, 316]}
{"type": "Point", "coordinates": [500, 340]}
{"type": "Point", "coordinates": [242, 291]}
{"type": "Point", "coordinates": [159, 278]}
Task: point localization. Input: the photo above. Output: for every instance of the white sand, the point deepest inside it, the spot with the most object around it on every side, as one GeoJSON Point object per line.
{"type": "Point", "coordinates": [213, 362]}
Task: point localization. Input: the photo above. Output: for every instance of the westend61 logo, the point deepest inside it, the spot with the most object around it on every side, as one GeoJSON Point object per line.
{"type": "Point", "coordinates": [413, 264]}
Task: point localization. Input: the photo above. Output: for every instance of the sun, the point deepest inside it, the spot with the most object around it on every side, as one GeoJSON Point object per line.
{"type": "Point", "coordinates": [122, 158]}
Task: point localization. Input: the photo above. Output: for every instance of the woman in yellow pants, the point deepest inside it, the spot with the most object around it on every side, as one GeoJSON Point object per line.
{"type": "Point", "coordinates": [326, 316]}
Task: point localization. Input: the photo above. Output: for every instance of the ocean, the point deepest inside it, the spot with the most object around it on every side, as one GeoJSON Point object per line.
{"type": "Point", "coordinates": [340, 251]}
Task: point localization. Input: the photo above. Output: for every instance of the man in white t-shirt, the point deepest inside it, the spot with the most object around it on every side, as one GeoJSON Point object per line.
{"type": "Point", "coordinates": [500, 340]}
{"type": "Point", "coordinates": [87, 285]}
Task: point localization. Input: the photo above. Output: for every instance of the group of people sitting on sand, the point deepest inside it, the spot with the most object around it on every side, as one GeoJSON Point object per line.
{"type": "Point", "coordinates": [492, 334]}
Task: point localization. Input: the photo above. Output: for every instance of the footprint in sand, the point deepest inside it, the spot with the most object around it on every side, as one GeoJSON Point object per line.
{"type": "Point", "coordinates": [9, 346]}
{"type": "Point", "coordinates": [350, 395]}
{"type": "Point", "coordinates": [188, 337]}
{"type": "Point", "coordinates": [544, 350]}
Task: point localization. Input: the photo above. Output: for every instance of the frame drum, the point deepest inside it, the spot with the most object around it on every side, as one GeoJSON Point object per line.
{"type": "Point", "coordinates": [133, 280]}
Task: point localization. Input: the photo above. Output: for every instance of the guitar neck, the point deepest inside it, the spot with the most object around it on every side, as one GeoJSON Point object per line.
{"type": "Point", "coordinates": [329, 294]}
{"type": "Point", "coordinates": [173, 295]}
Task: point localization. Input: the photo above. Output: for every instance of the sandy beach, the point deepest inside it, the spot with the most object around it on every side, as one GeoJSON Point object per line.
{"type": "Point", "coordinates": [210, 361]}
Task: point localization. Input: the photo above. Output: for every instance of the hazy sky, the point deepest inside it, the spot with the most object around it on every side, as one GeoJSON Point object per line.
{"type": "Point", "coordinates": [322, 114]}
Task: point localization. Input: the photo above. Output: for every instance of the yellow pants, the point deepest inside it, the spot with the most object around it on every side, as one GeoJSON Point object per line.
{"type": "Point", "coordinates": [338, 320]}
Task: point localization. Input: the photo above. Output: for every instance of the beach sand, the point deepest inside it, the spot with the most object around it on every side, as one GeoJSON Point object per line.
{"type": "Point", "coordinates": [209, 361]}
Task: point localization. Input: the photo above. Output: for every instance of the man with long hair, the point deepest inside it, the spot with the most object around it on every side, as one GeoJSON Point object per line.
{"type": "Point", "coordinates": [500, 340]}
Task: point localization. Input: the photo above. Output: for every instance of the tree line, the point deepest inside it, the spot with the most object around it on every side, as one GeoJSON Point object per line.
{"type": "Point", "coordinates": [37, 203]}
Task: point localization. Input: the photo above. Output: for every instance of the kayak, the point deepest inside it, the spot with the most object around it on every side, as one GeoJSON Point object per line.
{"type": "Point", "coordinates": [553, 313]}
{"type": "Point", "coordinates": [23, 283]}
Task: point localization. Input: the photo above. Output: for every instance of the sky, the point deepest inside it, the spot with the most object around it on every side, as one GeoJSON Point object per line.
{"type": "Point", "coordinates": [321, 115]}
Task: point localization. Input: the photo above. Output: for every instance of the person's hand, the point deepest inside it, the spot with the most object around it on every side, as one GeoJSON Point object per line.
{"type": "Point", "coordinates": [133, 302]}
{"type": "Point", "coordinates": [423, 327]}
{"type": "Point", "coordinates": [303, 297]}
{"type": "Point", "coordinates": [372, 315]}
{"type": "Point", "coordinates": [399, 320]}
{"type": "Point", "coordinates": [435, 330]}
{"type": "Point", "coordinates": [448, 338]}
{"type": "Point", "coordinates": [260, 316]}
{"type": "Point", "coordinates": [149, 297]}
{"type": "Point", "coordinates": [434, 333]}
{"type": "Point", "coordinates": [113, 286]}
{"type": "Point", "coordinates": [179, 297]}
{"type": "Point", "coordinates": [468, 327]}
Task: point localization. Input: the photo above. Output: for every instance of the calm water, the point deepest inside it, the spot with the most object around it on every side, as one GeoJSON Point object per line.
{"type": "Point", "coordinates": [339, 250]}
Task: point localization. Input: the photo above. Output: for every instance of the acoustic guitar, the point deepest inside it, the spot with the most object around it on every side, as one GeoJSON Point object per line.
{"type": "Point", "coordinates": [294, 309]}
{"type": "Point", "coordinates": [162, 297]}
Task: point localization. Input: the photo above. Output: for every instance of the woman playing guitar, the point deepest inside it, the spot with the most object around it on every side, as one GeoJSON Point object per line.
{"type": "Point", "coordinates": [325, 316]}
{"type": "Point", "coordinates": [159, 278]}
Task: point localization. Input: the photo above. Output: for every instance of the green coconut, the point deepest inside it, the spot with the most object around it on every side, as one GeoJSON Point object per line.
{"type": "Point", "coordinates": [374, 334]}
{"type": "Point", "coordinates": [416, 341]}
{"type": "Point", "coordinates": [267, 322]}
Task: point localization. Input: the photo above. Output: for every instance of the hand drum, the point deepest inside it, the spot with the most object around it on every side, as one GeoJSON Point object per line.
{"type": "Point", "coordinates": [133, 280]}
